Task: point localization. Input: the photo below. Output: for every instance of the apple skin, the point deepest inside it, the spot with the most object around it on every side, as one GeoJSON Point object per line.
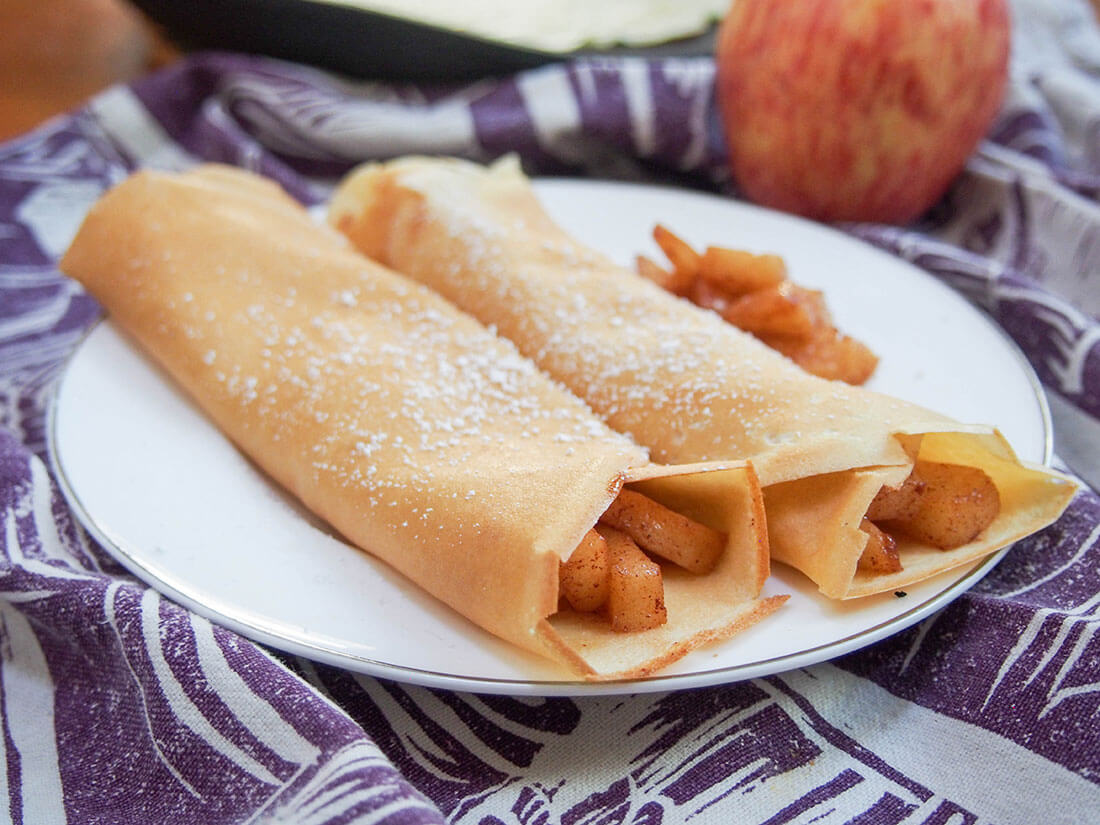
{"type": "Point", "coordinates": [858, 110]}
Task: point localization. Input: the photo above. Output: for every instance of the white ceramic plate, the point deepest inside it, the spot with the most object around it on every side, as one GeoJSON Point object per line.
{"type": "Point", "coordinates": [182, 509]}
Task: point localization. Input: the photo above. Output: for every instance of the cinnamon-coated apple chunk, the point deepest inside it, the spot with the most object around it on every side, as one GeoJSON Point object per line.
{"type": "Point", "coordinates": [680, 253]}
{"type": "Point", "coordinates": [957, 504]}
{"type": "Point", "coordinates": [753, 293]}
{"type": "Point", "coordinates": [900, 503]}
{"type": "Point", "coordinates": [636, 594]}
{"type": "Point", "coordinates": [664, 532]}
{"type": "Point", "coordinates": [739, 271]}
{"type": "Point", "coordinates": [610, 570]}
{"type": "Point", "coordinates": [583, 578]}
{"type": "Point", "coordinates": [942, 505]}
{"type": "Point", "coordinates": [880, 555]}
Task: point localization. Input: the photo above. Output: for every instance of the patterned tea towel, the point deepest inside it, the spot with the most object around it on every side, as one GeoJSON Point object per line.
{"type": "Point", "coordinates": [119, 706]}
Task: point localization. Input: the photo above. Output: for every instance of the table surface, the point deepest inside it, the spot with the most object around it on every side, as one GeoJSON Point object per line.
{"type": "Point", "coordinates": [54, 54]}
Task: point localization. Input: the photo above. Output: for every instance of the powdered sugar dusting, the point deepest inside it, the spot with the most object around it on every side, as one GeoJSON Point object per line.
{"type": "Point", "coordinates": [379, 385]}
{"type": "Point", "coordinates": [675, 376]}
{"type": "Point", "coordinates": [432, 392]}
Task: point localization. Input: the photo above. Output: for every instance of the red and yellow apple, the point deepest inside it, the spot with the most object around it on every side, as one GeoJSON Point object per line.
{"type": "Point", "coordinates": [857, 110]}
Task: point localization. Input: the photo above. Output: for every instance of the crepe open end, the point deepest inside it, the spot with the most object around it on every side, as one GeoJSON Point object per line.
{"type": "Point", "coordinates": [415, 432]}
{"type": "Point", "coordinates": [679, 379]}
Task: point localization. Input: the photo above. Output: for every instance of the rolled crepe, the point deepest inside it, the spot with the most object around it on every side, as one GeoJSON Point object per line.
{"type": "Point", "coordinates": [677, 378]}
{"type": "Point", "coordinates": [406, 425]}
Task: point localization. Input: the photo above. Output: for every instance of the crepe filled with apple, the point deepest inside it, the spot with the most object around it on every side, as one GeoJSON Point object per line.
{"type": "Point", "coordinates": [420, 436]}
{"type": "Point", "coordinates": [859, 488]}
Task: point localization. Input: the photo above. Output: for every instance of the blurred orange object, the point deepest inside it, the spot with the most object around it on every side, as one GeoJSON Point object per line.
{"type": "Point", "coordinates": [54, 54]}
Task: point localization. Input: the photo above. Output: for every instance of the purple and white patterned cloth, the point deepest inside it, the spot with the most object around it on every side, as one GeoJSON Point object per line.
{"type": "Point", "coordinates": [119, 706]}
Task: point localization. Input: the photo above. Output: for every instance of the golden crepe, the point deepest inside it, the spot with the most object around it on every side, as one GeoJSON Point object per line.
{"type": "Point", "coordinates": [677, 378]}
{"type": "Point", "coordinates": [405, 424]}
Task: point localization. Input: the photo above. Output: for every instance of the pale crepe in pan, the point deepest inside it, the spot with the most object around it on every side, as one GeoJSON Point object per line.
{"type": "Point", "coordinates": [677, 378]}
{"type": "Point", "coordinates": [410, 428]}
